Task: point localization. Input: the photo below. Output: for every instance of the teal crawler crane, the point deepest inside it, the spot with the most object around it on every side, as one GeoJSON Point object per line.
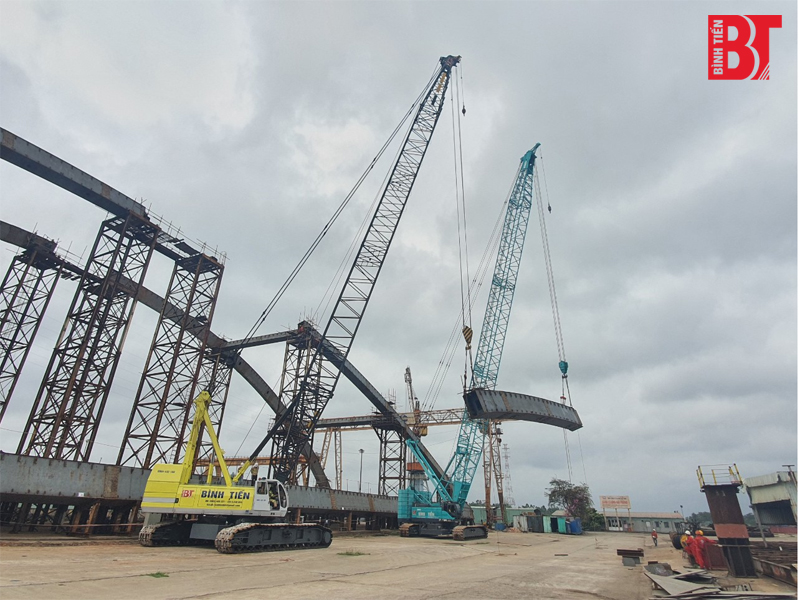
{"type": "Point", "coordinates": [444, 511]}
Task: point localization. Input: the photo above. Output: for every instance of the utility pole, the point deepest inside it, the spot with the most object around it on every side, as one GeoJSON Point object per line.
{"type": "Point", "coordinates": [360, 468]}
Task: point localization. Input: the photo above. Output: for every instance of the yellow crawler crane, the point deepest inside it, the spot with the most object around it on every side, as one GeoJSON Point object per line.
{"type": "Point", "coordinates": [237, 517]}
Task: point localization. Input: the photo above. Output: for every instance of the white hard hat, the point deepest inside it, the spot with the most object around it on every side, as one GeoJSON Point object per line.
{"type": "Point", "coordinates": [687, 532]}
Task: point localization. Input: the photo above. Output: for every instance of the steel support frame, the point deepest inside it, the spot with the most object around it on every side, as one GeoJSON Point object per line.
{"type": "Point", "coordinates": [355, 377]}
{"type": "Point", "coordinates": [297, 366]}
{"type": "Point", "coordinates": [732, 535]}
{"type": "Point", "coordinates": [69, 405]}
{"type": "Point", "coordinates": [487, 480]}
{"type": "Point", "coordinates": [174, 372]}
{"type": "Point", "coordinates": [26, 291]}
{"type": "Point", "coordinates": [497, 466]}
{"type": "Point", "coordinates": [338, 459]}
{"type": "Point", "coordinates": [332, 437]}
{"type": "Point", "coordinates": [507, 489]}
{"type": "Point", "coordinates": [392, 460]}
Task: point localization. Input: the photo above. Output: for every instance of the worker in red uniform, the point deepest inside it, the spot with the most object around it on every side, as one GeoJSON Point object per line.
{"type": "Point", "coordinates": [690, 546]}
{"type": "Point", "coordinates": [654, 535]}
{"type": "Point", "coordinates": [700, 544]}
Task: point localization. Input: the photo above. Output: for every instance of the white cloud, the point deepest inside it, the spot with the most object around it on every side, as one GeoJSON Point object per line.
{"type": "Point", "coordinates": [136, 63]}
{"type": "Point", "coordinates": [673, 232]}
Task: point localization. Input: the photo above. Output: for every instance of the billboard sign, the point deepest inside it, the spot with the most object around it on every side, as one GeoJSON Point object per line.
{"type": "Point", "coordinates": [615, 502]}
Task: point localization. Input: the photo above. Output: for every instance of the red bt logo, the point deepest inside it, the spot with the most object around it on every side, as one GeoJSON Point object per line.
{"type": "Point", "coordinates": [738, 45]}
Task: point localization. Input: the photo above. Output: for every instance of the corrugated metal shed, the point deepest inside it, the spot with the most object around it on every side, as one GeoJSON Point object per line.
{"type": "Point", "coordinates": [771, 488]}
{"type": "Point", "coordinates": [761, 480]}
{"type": "Point", "coordinates": [773, 497]}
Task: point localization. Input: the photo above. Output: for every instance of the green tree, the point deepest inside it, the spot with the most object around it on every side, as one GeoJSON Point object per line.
{"type": "Point", "coordinates": [701, 518]}
{"type": "Point", "coordinates": [594, 521]}
{"type": "Point", "coordinates": [574, 499]}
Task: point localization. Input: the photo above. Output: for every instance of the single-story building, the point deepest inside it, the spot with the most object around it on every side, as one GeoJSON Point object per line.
{"type": "Point", "coordinates": [480, 513]}
{"type": "Point", "coordinates": [644, 522]}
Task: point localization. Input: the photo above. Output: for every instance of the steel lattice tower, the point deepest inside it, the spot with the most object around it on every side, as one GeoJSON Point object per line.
{"type": "Point", "coordinates": [296, 365]}
{"type": "Point", "coordinates": [26, 291]}
{"type": "Point", "coordinates": [507, 476]}
{"type": "Point", "coordinates": [64, 419]}
{"type": "Point", "coordinates": [174, 372]}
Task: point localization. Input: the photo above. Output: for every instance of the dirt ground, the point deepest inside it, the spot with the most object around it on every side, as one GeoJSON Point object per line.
{"type": "Point", "coordinates": [506, 566]}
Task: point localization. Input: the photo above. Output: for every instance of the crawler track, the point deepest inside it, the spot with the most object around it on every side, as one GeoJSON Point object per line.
{"type": "Point", "coordinates": [173, 533]}
{"type": "Point", "coordinates": [409, 530]}
{"type": "Point", "coordinates": [470, 532]}
{"type": "Point", "coordinates": [261, 537]}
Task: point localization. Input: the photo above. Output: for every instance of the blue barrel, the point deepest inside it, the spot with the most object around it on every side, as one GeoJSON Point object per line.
{"type": "Point", "coordinates": [575, 527]}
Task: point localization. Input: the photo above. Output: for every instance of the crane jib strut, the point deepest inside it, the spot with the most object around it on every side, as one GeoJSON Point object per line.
{"type": "Point", "coordinates": [293, 429]}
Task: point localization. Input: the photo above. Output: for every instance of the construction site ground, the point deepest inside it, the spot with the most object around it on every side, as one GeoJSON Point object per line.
{"type": "Point", "coordinates": [506, 566]}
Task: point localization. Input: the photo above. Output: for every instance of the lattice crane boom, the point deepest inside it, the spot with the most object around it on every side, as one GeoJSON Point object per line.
{"type": "Point", "coordinates": [460, 471]}
{"type": "Point", "coordinates": [495, 322]}
{"type": "Point", "coordinates": [293, 430]}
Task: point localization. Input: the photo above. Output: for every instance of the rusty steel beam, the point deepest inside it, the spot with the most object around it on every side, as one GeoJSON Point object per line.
{"type": "Point", "coordinates": [30, 157]}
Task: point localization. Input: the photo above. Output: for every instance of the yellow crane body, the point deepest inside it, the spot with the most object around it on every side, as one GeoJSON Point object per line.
{"type": "Point", "coordinates": [236, 517]}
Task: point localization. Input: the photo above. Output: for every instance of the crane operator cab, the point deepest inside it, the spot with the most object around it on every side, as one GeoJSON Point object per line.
{"type": "Point", "coordinates": [270, 497]}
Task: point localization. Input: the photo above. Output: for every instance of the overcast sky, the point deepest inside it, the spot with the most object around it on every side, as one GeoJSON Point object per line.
{"type": "Point", "coordinates": [673, 232]}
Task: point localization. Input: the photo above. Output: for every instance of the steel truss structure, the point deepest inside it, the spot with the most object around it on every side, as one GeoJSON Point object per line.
{"type": "Point", "coordinates": [178, 367]}
{"type": "Point", "coordinates": [25, 293]}
{"type": "Point", "coordinates": [333, 437]}
{"type": "Point", "coordinates": [509, 492]}
{"type": "Point", "coordinates": [297, 362]}
{"type": "Point", "coordinates": [492, 467]}
{"type": "Point", "coordinates": [392, 459]}
{"type": "Point", "coordinates": [69, 405]}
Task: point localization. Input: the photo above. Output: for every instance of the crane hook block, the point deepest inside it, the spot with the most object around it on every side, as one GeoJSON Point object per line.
{"type": "Point", "coordinates": [563, 365]}
{"type": "Point", "coordinates": [467, 331]}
